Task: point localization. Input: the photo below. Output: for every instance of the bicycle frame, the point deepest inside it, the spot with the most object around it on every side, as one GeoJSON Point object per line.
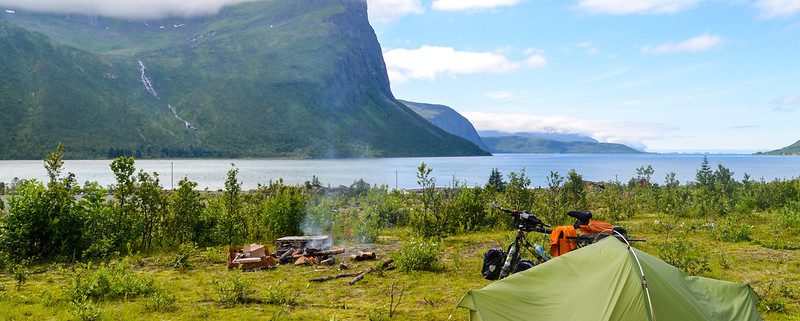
{"type": "Point", "coordinates": [513, 256]}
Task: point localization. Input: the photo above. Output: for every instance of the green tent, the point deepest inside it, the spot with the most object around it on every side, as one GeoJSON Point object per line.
{"type": "Point", "coordinates": [604, 282]}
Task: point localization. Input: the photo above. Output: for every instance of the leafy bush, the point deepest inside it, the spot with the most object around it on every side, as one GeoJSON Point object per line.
{"type": "Point", "coordinates": [182, 256]}
{"type": "Point", "coordinates": [733, 230]}
{"type": "Point", "coordinates": [684, 255]}
{"type": "Point", "coordinates": [85, 311]}
{"type": "Point", "coordinates": [418, 256]}
{"type": "Point", "coordinates": [283, 213]}
{"type": "Point", "coordinates": [789, 216]}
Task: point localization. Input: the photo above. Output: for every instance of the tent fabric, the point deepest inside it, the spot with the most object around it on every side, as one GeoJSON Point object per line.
{"type": "Point", "coordinates": [602, 282]}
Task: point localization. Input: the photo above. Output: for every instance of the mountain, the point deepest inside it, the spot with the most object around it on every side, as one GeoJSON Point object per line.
{"type": "Point", "coordinates": [527, 145]}
{"type": "Point", "coordinates": [268, 78]}
{"type": "Point", "coordinates": [541, 135]}
{"type": "Point", "coordinates": [448, 119]}
{"type": "Point", "coordinates": [793, 149]}
{"type": "Point", "coordinates": [50, 93]}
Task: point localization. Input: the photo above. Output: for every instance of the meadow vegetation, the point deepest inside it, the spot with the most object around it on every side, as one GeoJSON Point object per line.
{"type": "Point", "coordinates": [136, 251]}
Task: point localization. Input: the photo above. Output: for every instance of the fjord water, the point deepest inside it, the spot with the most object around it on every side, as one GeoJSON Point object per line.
{"type": "Point", "coordinates": [401, 172]}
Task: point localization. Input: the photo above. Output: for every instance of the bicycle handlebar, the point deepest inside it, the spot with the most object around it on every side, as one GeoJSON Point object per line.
{"type": "Point", "coordinates": [522, 214]}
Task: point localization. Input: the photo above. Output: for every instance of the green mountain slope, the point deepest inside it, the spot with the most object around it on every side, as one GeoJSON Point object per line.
{"type": "Point", "coordinates": [261, 79]}
{"type": "Point", "coordinates": [793, 149]}
{"type": "Point", "coordinates": [50, 93]}
{"type": "Point", "coordinates": [527, 145]}
{"type": "Point", "coordinates": [448, 119]}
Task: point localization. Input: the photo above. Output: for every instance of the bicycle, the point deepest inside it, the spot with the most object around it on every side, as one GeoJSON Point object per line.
{"type": "Point", "coordinates": [498, 265]}
{"type": "Point", "coordinates": [524, 222]}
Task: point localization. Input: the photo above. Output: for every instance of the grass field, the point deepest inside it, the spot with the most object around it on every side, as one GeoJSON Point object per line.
{"type": "Point", "coordinates": [192, 292]}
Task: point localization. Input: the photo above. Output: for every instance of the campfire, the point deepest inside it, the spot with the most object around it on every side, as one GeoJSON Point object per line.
{"type": "Point", "coordinates": [297, 250]}
{"type": "Point", "coordinates": [306, 250]}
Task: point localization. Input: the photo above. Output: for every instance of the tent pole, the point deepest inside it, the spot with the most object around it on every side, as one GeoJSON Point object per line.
{"type": "Point", "coordinates": [641, 273]}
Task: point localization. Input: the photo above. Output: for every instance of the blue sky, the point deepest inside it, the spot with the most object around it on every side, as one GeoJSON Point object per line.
{"type": "Point", "coordinates": [662, 75]}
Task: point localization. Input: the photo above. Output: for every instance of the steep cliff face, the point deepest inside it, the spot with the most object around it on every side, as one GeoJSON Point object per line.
{"type": "Point", "coordinates": [448, 119]}
{"type": "Point", "coordinates": [267, 78]}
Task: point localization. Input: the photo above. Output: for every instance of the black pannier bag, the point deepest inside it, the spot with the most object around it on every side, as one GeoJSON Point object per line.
{"type": "Point", "coordinates": [493, 261]}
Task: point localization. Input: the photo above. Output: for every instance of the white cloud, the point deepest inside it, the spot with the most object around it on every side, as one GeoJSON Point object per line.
{"type": "Point", "coordinates": [778, 8]}
{"type": "Point", "coordinates": [430, 62]}
{"type": "Point", "coordinates": [631, 134]}
{"type": "Point", "coordinates": [536, 61]}
{"type": "Point", "coordinates": [458, 5]}
{"type": "Point", "coordinates": [786, 103]}
{"type": "Point", "coordinates": [635, 6]}
{"type": "Point", "coordinates": [133, 9]}
{"type": "Point", "coordinates": [500, 95]}
{"type": "Point", "coordinates": [389, 10]}
{"type": "Point", "coordinates": [590, 47]}
{"type": "Point", "coordinates": [695, 44]}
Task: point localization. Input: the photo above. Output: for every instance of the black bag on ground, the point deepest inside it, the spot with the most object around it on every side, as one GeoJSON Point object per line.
{"type": "Point", "coordinates": [493, 261]}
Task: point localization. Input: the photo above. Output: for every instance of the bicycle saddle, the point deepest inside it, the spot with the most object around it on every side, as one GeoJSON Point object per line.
{"type": "Point", "coordinates": [582, 217]}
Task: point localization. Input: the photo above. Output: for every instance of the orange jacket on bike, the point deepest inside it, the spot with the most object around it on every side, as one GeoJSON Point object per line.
{"type": "Point", "coordinates": [595, 227]}
{"type": "Point", "coordinates": [559, 243]}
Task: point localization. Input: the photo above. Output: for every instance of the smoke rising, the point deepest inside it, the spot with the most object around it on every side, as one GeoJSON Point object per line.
{"type": "Point", "coordinates": [126, 9]}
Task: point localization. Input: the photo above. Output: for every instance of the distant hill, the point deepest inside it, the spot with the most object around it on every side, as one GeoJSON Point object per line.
{"type": "Point", "coordinates": [448, 119]}
{"type": "Point", "coordinates": [289, 78]}
{"type": "Point", "coordinates": [793, 149]}
{"type": "Point", "coordinates": [541, 135]}
{"type": "Point", "coordinates": [528, 145]}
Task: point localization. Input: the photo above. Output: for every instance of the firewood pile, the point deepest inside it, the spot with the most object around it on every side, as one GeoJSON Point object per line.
{"type": "Point", "coordinates": [251, 257]}
{"type": "Point", "coordinates": [297, 250]}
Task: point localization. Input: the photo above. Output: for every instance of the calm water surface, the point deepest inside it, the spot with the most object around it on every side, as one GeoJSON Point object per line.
{"type": "Point", "coordinates": [400, 172]}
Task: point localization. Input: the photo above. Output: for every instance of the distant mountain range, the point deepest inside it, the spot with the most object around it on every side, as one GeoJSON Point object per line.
{"type": "Point", "coordinates": [530, 145]}
{"type": "Point", "coordinates": [448, 119]}
{"type": "Point", "coordinates": [290, 78]}
{"type": "Point", "coordinates": [559, 137]}
{"type": "Point", "coordinates": [793, 149]}
{"type": "Point", "coordinates": [502, 142]}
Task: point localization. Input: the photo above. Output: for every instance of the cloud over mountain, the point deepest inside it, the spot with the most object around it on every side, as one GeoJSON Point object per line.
{"type": "Point", "coordinates": [130, 9]}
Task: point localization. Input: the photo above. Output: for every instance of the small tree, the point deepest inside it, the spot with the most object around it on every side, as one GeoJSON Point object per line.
{"type": "Point", "coordinates": [575, 190]}
{"type": "Point", "coordinates": [233, 223]}
{"type": "Point", "coordinates": [186, 209]}
{"type": "Point", "coordinates": [151, 204]}
{"type": "Point", "coordinates": [496, 181]}
{"type": "Point", "coordinates": [518, 193]}
{"type": "Point", "coordinates": [124, 223]}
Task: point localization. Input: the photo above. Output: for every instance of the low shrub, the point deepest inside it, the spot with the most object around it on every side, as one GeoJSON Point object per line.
{"type": "Point", "coordinates": [181, 259]}
{"type": "Point", "coordinates": [684, 255]}
{"type": "Point", "coordinates": [85, 311]}
{"type": "Point", "coordinates": [277, 295]}
{"type": "Point", "coordinates": [418, 256]}
{"type": "Point", "coordinates": [107, 282]}
{"type": "Point", "coordinates": [161, 301]}
{"type": "Point", "coordinates": [733, 230]}
{"type": "Point", "coordinates": [789, 217]}
{"type": "Point", "coordinates": [233, 289]}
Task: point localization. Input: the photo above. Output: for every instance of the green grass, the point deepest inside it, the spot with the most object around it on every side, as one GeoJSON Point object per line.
{"type": "Point", "coordinates": [285, 293]}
